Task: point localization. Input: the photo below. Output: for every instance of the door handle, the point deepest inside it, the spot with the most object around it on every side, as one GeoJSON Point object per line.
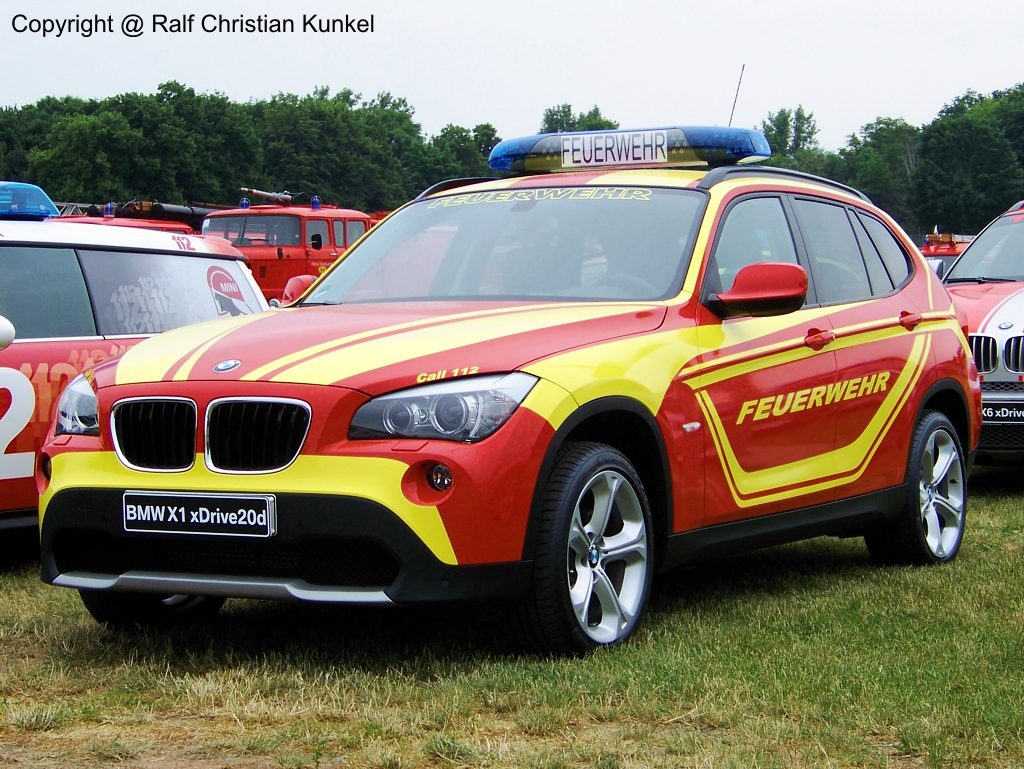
{"type": "Point", "coordinates": [816, 338]}
{"type": "Point", "coordinates": [910, 319]}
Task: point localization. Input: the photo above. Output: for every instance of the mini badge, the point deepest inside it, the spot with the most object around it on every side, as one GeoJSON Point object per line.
{"type": "Point", "coordinates": [226, 365]}
{"type": "Point", "coordinates": [227, 294]}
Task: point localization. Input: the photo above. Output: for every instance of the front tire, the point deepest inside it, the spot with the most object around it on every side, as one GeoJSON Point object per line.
{"type": "Point", "coordinates": [593, 562]}
{"type": "Point", "coordinates": [930, 527]}
{"type": "Point", "coordinates": [128, 610]}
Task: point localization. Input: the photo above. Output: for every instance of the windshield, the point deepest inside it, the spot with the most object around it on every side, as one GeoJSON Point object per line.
{"type": "Point", "coordinates": [256, 230]}
{"type": "Point", "coordinates": [996, 254]}
{"type": "Point", "coordinates": [547, 243]}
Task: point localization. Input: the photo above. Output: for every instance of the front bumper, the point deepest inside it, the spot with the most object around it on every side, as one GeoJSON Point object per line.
{"type": "Point", "coordinates": [1000, 404]}
{"type": "Point", "coordinates": [19, 519]}
{"type": "Point", "coordinates": [328, 548]}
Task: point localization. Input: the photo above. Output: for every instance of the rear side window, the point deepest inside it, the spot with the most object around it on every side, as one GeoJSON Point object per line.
{"type": "Point", "coordinates": [148, 293]}
{"type": "Point", "coordinates": [755, 230]}
{"type": "Point", "coordinates": [881, 283]}
{"type": "Point", "coordinates": [43, 294]}
{"type": "Point", "coordinates": [836, 261]}
{"type": "Point", "coordinates": [347, 232]}
{"type": "Point", "coordinates": [892, 253]}
{"type": "Point", "coordinates": [355, 229]}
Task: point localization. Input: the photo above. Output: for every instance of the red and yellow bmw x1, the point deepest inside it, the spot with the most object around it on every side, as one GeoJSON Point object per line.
{"type": "Point", "coordinates": [540, 390]}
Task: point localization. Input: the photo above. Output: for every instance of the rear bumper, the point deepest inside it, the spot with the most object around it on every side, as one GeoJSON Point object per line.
{"type": "Point", "coordinates": [328, 548]}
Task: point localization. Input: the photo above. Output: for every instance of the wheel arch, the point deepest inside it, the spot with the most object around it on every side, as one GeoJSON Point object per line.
{"type": "Point", "coordinates": [629, 426]}
{"type": "Point", "coordinates": [947, 397]}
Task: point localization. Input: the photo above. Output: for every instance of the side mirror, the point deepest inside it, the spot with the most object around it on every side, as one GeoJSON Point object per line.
{"type": "Point", "coordinates": [939, 265]}
{"type": "Point", "coordinates": [316, 240]}
{"type": "Point", "coordinates": [296, 287]}
{"type": "Point", "coordinates": [6, 332]}
{"type": "Point", "coordinates": [762, 289]}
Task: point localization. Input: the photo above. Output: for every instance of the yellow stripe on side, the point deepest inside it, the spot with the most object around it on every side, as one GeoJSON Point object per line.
{"type": "Point", "coordinates": [716, 338]}
{"type": "Point", "coordinates": [152, 362]}
{"type": "Point", "coordinates": [756, 359]}
{"type": "Point", "coordinates": [947, 319]}
{"type": "Point", "coordinates": [373, 478]}
{"type": "Point", "coordinates": [826, 471]}
{"type": "Point", "coordinates": [639, 367]}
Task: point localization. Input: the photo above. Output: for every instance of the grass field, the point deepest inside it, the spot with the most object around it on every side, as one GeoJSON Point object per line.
{"type": "Point", "coordinates": [805, 655]}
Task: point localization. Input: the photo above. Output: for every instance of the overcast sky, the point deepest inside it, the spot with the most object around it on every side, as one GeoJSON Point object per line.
{"type": "Point", "coordinates": [673, 62]}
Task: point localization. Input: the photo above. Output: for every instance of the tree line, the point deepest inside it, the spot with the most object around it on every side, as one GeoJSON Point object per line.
{"type": "Point", "coordinates": [958, 172]}
{"type": "Point", "coordinates": [179, 146]}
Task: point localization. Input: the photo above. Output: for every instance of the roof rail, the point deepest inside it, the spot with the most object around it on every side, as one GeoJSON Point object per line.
{"type": "Point", "coordinates": [720, 174]}
{"type": "Point", "coordinates": [451, 184]}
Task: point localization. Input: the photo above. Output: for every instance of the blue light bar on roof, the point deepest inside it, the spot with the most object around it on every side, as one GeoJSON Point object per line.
{"type": "Point", "coordinates": [25, 201]}
{"type": "Point", "coordinates": [649, 147]}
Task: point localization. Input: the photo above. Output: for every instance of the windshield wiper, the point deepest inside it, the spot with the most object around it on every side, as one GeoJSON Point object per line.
{"type": "Point", "coordinates": [980, 279]}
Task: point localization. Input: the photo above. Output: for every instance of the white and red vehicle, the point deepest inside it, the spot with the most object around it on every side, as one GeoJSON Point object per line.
{"type": "Point", "coordinates": [987, 282]}
{"type": "Point", "coordinates": [73, 295]}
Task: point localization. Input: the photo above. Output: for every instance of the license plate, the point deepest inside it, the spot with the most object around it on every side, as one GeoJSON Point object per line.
{"type": "Point", "coordinates": [222, 515]}
{"type": "Point", "coordinates": [1006, 413]}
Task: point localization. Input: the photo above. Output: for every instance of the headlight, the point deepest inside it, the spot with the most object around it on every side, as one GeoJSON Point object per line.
{"type": "Point", "coordinates": [464, 410]}
{"type": "Point", "coordinates": [77, 409]}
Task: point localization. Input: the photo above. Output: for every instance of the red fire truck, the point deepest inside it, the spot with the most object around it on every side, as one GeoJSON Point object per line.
{"type": "Point", "coordinates": [143, 214]}
{"type": "Point", "coordinates": [283, 239]}
{"type": "Point", "coordinates": [945, 247]}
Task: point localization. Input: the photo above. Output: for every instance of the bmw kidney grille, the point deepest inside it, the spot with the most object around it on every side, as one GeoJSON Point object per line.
{"type": "Point", "coordinates": [242, 435]}
{"type": "Point", "coordinates": [253, 436]}
{"type": "Point", "coordinates": [986, 353]}
{"type": "Point", "coordinates": [155, 434]}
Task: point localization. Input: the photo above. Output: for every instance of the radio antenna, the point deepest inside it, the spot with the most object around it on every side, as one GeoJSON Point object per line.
{"type": "Point", "coordinates": [737, 96]}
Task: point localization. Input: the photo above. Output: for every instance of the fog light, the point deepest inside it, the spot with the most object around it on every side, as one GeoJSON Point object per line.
{"type": "Point", "coordinates": [45, 466]}
{"type": "Point", "coordinates": [440, 477]}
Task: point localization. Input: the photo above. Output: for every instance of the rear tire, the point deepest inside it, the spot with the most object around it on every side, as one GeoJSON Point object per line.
{"type": "Point", "coordinates": [593, 561]}
{"type": "Point", "coordinates": [930, 527]}
{"type": "Point", "coordinates": [126, 610]}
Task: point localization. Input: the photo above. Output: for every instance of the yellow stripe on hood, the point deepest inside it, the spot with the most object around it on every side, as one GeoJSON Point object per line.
{"type": "Point", "coordinates": [152, 362]}
{"type": "Point", "coordinates": [372, 354]}
{"type": "Point", "coordinates": [373, 333]}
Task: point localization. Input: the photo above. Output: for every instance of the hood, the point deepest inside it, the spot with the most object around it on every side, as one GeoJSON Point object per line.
{"type": "Point", "coordinates": [988, 305]}
{"type": "Point", "coordinates": [377, 348]}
